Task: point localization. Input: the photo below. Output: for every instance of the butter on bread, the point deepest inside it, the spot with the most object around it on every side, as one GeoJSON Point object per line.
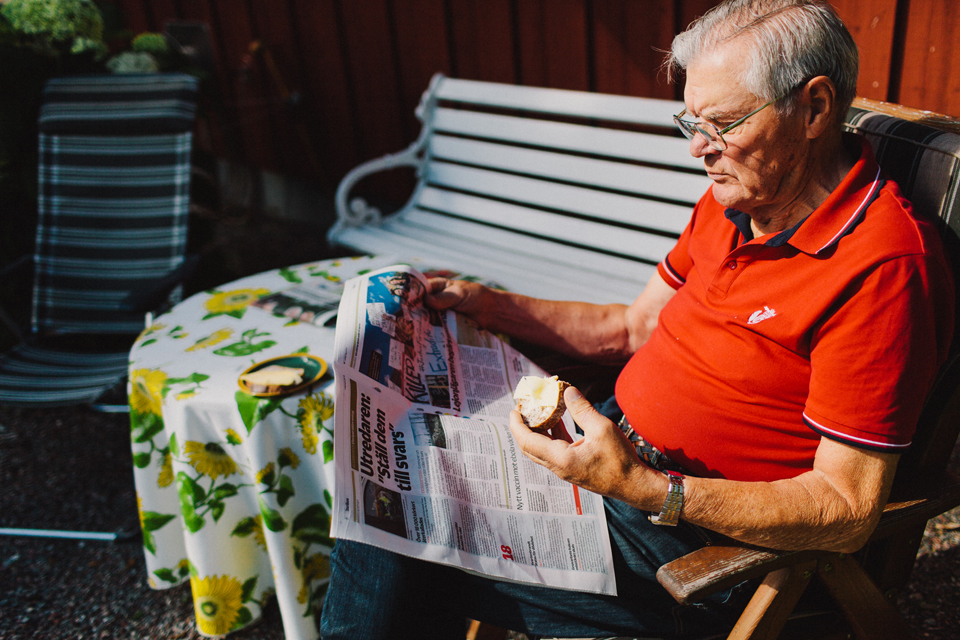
{"type": "Point", "coordinates": [540, 401]}
{"type": "Point", "coordinates": [272, 378]}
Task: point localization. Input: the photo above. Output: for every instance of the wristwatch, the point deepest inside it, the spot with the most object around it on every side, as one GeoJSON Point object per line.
{"type": "Point", "coordinates": [673, 505]}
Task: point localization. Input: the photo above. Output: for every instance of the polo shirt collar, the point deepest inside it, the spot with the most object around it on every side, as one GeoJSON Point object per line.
{"type": "Point", "coordinates": [837, 216]}
{"type": "Point", "coordinates": [742, 222]}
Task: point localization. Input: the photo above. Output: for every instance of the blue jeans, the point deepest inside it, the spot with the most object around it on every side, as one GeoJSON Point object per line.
{"type": "Point", "coordinates": [378, 594]}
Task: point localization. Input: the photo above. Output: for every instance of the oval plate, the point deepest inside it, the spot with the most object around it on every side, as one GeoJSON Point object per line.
{"type": "Point", "coordinates": [313, 369]}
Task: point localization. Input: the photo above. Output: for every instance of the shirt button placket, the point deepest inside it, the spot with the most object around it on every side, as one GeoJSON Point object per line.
{"type": "Point", "coordinates": [727, 272]}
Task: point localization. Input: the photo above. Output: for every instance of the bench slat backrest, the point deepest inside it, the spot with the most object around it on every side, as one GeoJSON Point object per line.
{"type": "Point", "coordinates": [559, 102]}
{"type": "Point", "coordinates": [600, 183]}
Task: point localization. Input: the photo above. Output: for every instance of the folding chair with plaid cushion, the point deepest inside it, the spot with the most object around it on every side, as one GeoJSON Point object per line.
{"type": "Point", "coordinates": [114, 192]}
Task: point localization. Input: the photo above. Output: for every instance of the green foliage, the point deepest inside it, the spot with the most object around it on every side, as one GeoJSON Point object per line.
{"type": "Point", "coordinates": [54, 27]}
{"type": "Point", "coordinates": [148, 42]}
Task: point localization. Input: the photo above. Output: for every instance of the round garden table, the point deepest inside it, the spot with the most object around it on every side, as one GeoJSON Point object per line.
{"type": "Point", "coordinates": [234, 490]}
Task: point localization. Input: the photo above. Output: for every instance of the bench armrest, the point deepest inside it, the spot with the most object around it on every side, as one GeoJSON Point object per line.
{"type": "Point", "coordinates": [711, 569]}
{"type": "Point", "coordinates": [357, 213]}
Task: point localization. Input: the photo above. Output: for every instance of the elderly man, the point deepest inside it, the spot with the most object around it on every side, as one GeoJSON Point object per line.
{"type": "Point", "coordinates": [775, 366]}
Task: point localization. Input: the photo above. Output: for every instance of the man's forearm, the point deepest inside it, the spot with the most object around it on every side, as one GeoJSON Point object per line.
{"type": "Point", "coordinates": [587, 331]}
{"type": "Point", "coordinates": [834, 508]}
{"type": "Point", "coordinates": [778, 517]}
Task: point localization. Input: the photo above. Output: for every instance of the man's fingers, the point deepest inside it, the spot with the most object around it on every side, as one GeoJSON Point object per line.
{"type": "Point", "coordinates": [582, 411]}
{"type": "Point", "coordinates": [441, 294]}
{"type": "Point", "coordinates": [535, 445]}
{"type": "Point", "coordinates": [436, 285]}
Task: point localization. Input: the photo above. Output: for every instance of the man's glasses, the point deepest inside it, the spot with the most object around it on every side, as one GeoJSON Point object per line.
{"type": "Point", "coordinates": [711, 133]}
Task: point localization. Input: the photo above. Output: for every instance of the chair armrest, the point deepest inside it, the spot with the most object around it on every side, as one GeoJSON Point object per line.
{"type": "Point", "coordinates": [711, 569]}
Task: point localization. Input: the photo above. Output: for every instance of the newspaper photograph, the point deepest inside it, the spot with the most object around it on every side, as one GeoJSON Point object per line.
{"type": "Point", "coordinates": [425, 462]}
{"type": "Point", "coordinates": [314, 303]}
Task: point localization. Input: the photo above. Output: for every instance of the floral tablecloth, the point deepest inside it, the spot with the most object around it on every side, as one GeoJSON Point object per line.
{"type": "Point", "coordinates": [234, 490]}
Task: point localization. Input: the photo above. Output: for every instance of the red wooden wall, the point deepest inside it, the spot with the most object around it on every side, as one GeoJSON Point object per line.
{"type": "Point", "coordinates": [359, 66]}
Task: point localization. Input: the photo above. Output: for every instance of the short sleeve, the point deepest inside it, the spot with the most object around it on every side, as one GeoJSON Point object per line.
{"type": "Point", "coordinates": [875, 357]}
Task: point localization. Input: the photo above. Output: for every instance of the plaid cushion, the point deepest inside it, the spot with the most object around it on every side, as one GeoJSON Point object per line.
{"type": "Point", "coordinates": [921, 159]}
{"type": "Point", "coordinates": [114, 193]}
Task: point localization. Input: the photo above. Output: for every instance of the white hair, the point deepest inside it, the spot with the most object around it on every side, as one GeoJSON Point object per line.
{"type": "Point", "coordinates": [792, 41]}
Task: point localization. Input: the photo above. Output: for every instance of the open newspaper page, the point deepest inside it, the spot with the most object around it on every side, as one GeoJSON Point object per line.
{"type": "Point", "coordinates": [425, 462]}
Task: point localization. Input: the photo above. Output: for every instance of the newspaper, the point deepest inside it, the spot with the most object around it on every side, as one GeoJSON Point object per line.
{"type": "Point", "coordinates": [425, 462]}
{"type": "Point", "coordinates": [314, 303]}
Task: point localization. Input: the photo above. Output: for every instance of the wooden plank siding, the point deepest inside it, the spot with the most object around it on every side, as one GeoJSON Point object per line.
{"type": "Point", "coordinates": [336, 82]}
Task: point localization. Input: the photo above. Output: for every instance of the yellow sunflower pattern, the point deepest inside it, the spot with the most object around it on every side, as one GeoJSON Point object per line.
{"type": "Point", "coordinates": [217, 601]}
{"type": "Point", "coordinates": [214, 338]}
{"type": "Point", "coordinates": [272, 480]}
{"type": "Point", "coordinates": [288, 458]}
{"type": "Point", "coordinates": [315, 567]}
{"type": "Point", "coordinates": [146, 390]}
{"type": "Point", "coordinates": [214, 474]}
{"type": "Point", "coordinates": [165, 477]}
{"type": "Point", "coordinates": [265, 474]}
{"type": "Point", "coordinates": [232, 303]}
{"type": "Point", "coordinates": [258, 534]}
{"type": "Point", "coordinates": [209, 459]}
{"type": "Point", "coordinates": [312, 412]}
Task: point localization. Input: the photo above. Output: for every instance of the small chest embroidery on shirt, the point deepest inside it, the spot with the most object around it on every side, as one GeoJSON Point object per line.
{"type": "Point", "coordinates": [760, 316]}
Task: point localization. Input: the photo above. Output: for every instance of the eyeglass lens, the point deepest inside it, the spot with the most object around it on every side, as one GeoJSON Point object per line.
{"type": "Point", "coordinates": [709, 132]}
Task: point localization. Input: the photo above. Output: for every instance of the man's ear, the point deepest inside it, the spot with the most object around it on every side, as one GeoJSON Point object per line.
{"type": "Point", "coordinates": [820, 105]}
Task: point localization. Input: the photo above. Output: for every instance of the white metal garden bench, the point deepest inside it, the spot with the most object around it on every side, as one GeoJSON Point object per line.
{"type": "Point", "coordinates": [554, 193]}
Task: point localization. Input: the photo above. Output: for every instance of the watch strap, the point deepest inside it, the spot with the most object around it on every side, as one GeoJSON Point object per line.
{"type": "Point", "coordinates": [673, 505]}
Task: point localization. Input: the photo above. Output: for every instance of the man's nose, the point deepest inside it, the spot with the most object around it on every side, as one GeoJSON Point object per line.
{"type": "Point", "coordinates": [700, 146]}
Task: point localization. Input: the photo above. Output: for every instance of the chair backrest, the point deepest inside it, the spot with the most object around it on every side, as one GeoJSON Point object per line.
{"type": "Point", "coordinates": [921, 152]}
{"type": "Point", "coordinates": [114, 193]}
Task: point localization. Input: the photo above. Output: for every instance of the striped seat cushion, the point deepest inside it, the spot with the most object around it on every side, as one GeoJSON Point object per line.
{"type": "Point", "coordinates": [32, 377]}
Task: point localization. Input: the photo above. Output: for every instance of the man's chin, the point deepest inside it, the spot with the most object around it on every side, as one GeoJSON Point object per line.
{"type": "Point", "coordinates": [727, 195]}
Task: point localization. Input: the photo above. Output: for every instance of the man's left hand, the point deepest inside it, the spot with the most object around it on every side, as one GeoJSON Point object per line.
{"type": "Point", "coordinates": [603, 461]}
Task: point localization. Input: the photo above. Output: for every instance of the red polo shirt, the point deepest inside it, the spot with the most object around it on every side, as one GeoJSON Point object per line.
{"type": "Point", "coordinates": [835, 328]}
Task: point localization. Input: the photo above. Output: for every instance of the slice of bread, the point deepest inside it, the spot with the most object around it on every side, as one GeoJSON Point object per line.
{"type": "Point", "coordinates": [540, 401]}
{"type": "Point", "coordinates": [272, 378]}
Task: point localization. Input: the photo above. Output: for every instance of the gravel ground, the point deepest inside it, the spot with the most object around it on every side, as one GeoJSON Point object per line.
{"type": "Point", "coordinates": [71, 469]}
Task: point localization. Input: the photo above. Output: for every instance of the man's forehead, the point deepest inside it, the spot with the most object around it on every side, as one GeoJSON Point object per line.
{"type": "Point", "coordinates": [714, 86]}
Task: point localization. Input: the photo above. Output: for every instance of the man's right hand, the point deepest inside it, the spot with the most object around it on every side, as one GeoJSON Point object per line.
{"type": "Point", "coordinates": [468, 298]}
